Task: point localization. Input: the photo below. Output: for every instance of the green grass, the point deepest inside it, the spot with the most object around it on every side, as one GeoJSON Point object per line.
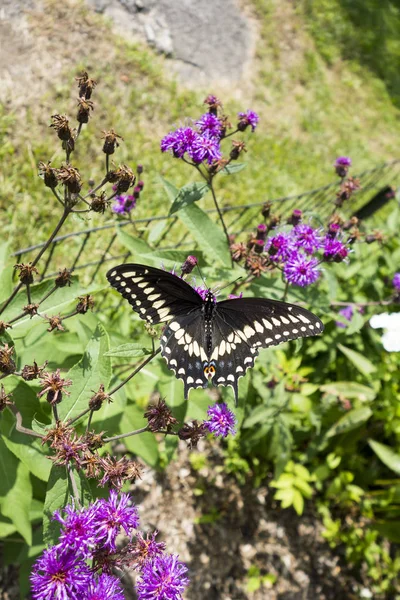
{"type": "Point", "coordinates": [314, 104]}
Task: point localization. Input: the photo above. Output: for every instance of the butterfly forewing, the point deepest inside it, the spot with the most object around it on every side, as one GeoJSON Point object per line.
{"type": "Point", "coordinates": [157, 296]}
{"type": "Point", "coordinates": [244, 325]}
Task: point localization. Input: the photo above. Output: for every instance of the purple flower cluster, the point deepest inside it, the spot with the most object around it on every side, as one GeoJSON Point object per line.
{"type": "Point", "coordinates": [396, 282]}
{"type": "Point", "coordinates": [347, 313]}
{"type": "Point", "coordinates": [125, 203]}
{"type": "Point", "coordinates": [201, 141]}
{"type": "Point", "coordinates": [298, 251]}
{"type": "Point", "coordinates": [62, 571]}
{"type": "Point", "coordinates": [221, 420]}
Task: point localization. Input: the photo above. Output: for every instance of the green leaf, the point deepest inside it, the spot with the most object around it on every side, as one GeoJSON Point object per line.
{"type": "Point", "coordinates": [135, 245]}
{"type": "Point", "coordinates": [16, 504]}
{"type": "Point", "coordinates": [93, 369]}
{"type": "Point", "coordinates": [365, 366]}
{"type": "Point", "coordinates": [349, 389]}
{"type": "Point", "coordinates": [233, 168]}
{"type": "Point", "coordinates": [298, 502]}
{"type": "Point", "coordinates": [8, 469]}
{"type": "Point", "coordinates": [169, 187]}
{"type": "Point", "coordinates": [128, 351]}
{"type": "Point", "coordinates": [144, 444]}
{"type": "Point", "coordinates": [388, 529]}
{"type": "Point", "coordinates": [207, 234]}
{"type": "Point", "coordinates": [192, 192]}
{"type": "Point", "coordinates": [389, 458]}
{"type": "Point", "coordinates": [351, 420]}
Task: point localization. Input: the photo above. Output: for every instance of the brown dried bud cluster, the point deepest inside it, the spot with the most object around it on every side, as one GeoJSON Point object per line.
{"type": "Point", "coordinates": [217, 166]}
{"type": "Point", "coordinates": [55, 322]}
{"type": "Point", "coordinates": [85, 303]}
{"type": "Point", "coordinates": [238, 251]}
{"type": "Point", "coordinates": [61, 126]}
{"type": "Point", "coordinates": [7, 363]}
{"type": "Point", "coordinates": [94, 440]}
{"type": "Point", "coordinates": [213, 104]}
{"type": "Point", "coordinates": [96, 401]}
{"type": "Point", "coordinates": [123, 177]}
{"type": "Point", "coordinates": [192, 433]}
{"type": "Point", "coordinates": [30, 372]}
{"type": "Point", "coordinates": [347, 189]}
{"type": "Point", "coordinates": [86, 85]}
{"type": "Point", "coordinates": [71, 178]}
{"type": "Point", "coordinates": [375, 236]}
{"type": "Point", "coordinates": [152, 331]}
{"type": "Point", "coordinates": [159, 416]}
{"type": "Point", "coordinates": [99, 204]}
{"type": "Point", "coordinates": [189, 264]}
{"type": "Point", "coordinates": [54, 386]}
{"type": "Point", "coordinates": [266, 209]}
{"type": "Point", "coordinates": [353, 222]}
{"type": "Point", "coordinates": [63, 278]}
{"type": "Point", "coordinates": [4, 326]}
{"type": "Point", "coordinates": [295, 217]}
{"type": "Point", "coordinates": [237, 149]}
{"type": "Point", "coordinates": [26, 271]}
{"type": "Point", "coordinates": [48, 174]}
{"type": "Point", "coordinates": [110, 141]}
{"type": "Point", "coordinates": [116, 472]}
{"type": "Point", "coordinates": [31, 309]}
{"type": "Point", "coordinates": [5, 399]}
{"type": "Point", "coordinates": [84, 108]}
{"type": "Point", "coordinates": [256, 264]}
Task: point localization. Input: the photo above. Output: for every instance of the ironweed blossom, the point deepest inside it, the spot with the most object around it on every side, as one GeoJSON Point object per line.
{"type": "Point", "coordinates": [396, 281]}
{"type": "Point", "coordinates": [115, 514]}
{"type": "Point", "coordinates": [221, 420]}
{"type": "Point", "coordinates": [60, 574]}
{"type": "Point", "coordinates": [301, 270]}
{"type": "Point", "coordinates": [163, 578]}
{"type": "Point", "coordinates": [248, 118]}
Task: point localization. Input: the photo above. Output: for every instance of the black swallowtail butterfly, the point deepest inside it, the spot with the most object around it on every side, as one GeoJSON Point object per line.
{"type": "Point", "coordinates": [205, 339]}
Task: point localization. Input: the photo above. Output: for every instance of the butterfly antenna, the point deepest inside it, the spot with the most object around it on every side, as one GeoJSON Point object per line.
{"type": "Point", "coordinates": [201, 275]}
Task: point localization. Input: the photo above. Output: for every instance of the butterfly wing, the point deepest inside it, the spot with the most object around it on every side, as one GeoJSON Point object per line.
{"type": "Point", "coordinates": [183, 347]}
{"type": "Point", "coordinates": [157, 296]}
{"type": "Point", "coordinates": [244, 325]}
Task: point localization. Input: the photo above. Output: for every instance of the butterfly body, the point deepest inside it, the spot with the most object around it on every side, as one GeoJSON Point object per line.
{"type": "Point", "coordinates": [204, 339]}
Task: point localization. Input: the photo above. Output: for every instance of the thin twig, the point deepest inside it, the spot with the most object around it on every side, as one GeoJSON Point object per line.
{"type": "Point", "coordinates": [19, 427]}
{"type": "Point", "coordinates": [143, 364]}
{"type": "Point", "coordinates": [125, 435]}
{"type": "Point", "coordinates": [73, 485]}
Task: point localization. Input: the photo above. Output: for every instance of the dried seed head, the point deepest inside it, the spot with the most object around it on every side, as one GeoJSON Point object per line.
{"type": "Point", "coordinates": [213, 104]}
{"type": "Point", "coordinates": [99, 204]}
{"type": "Point", "coordinates": [48, 174]}
{"type": "Point", "coordinates": [7, 364]}
{"type": "Point", "coordinates": [55, 322]}
{"type": "Point", "coordinates": [56, 434]}
{"type": "Point", "coordinates": [5, 399]}
{"type": "Point", "coordinates": [4, 326]}
{"type": "Point", "coordinates": [85, 303]}
{"type": "Point", "coordinates": [159, 416]}
{"type": "Point", "coordinates": [237, 149]}
{"type": "Point", "coordinates": [152, 331]}
{"type": "Point", "coordinates": [274, 221]}
{"type": "Point", "coordinates": [61, 126]}
{"type": "Point", "coordinates": [116, 472]}
{"type": "Point", "coordinates": [123, 178]}
{"type": "Point", "coordinates": [376, 236]}
{"type": "Point", "coordinates": [94, 440]}
{"type": "Point", "coordinates": [256, 264]}
{"type": "Point", "coordinates": [54, 386]}
{"type": "Point", "coordinates": [238, 251]}
{"type": "Point", "coordinates": [192, 432]}
{"type": "Point", "coordinates": [71, 178]}
{"type": "Point", "coordinates": [91, 463]}
{"type": "Point", "coordinates": [111, 142]}
{"type": "Point", "coordinates": [347, 189]}
{"type": "Point", "coordinates": [96, 401]}
{"type": "Point", "coordinates": [353, 222]}
{"type": "Point", "coordinates": [63, 278]}
{"type": "Point", "coordinates": [31, 309]}
{"type": "Point", "coordinates": [30, 372]}
{"type": "Point", "coordinates": [85, 106]}
{"type": "Point", "coordinates": [86, 85]}
{"type": "Point", "coordinates": [26, 272]}
{"type": "Point", "coordinates": [266, 209]}
{"type": "Point", "coordinates": [217, 166]}
{"type": "Point", "coordinates": [225, 125]}
{"type": "Point", "coordinates": [68, 450]}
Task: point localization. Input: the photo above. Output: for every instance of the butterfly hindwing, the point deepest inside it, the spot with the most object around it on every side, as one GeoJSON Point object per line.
{"type": "Point", "coordinates": [157, 296]}
{"type": "Point", "coordinates": [182, 346]}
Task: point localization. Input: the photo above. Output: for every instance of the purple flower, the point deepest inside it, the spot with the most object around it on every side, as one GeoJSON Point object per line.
{"type": "Point", "coordinates": [248, 118]}
{"type": "Point", "coordinates": [306, 237]}
{"type": "Point", "coordinates": [79, 532]}
{"type": "Point", "coordinates": [279, 247]}
{"type": "Point", "coordinates": [162, 578]}
{"type": "Point", "coordinates": [202, 291]}
{"type": "Point", "coordinates": [60, 575]}
{"type": "Point", "coordinates": [221, 420]}
{"type": "Point", "coordinates": [107, 587]}
{"type": "Point", "coordinates": [233, 296]}
{"type": "Point", "coordinates": [346, 312]}
{"type": "Point", "coordinates": [396, 281]}
{"type": "Point", "coordinates": [112, 515]}
{"type": "Point", "coordinates": [205, 148]}
{"type": "Point", "coordinates": [342, 165]}
{"type": "Point", "coordinates": [334, 249]}
{"type": "Point", "coordinates": [124, 204]}
{"type": "Point", "coordinates": [210, 125]}
{"type": "Point", "coordinates": [301, 270]}
{"type": "Point", "coordinates": [180, 141]}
